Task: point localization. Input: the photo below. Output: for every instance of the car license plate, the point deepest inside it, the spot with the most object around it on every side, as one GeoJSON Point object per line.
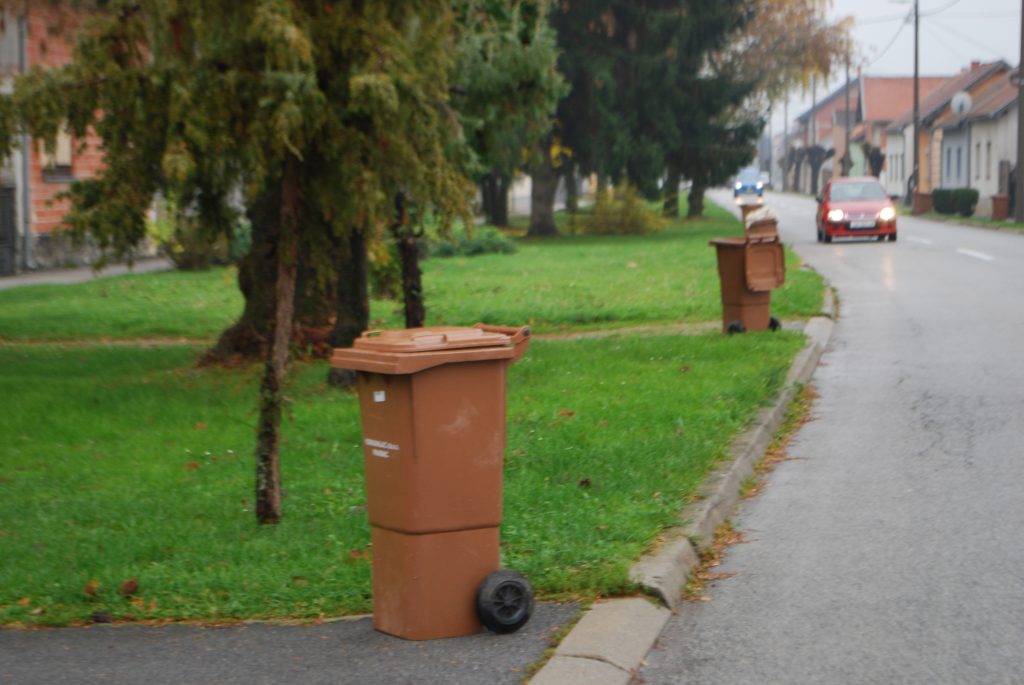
{"type": "Point", "coordinates": [862, 224]}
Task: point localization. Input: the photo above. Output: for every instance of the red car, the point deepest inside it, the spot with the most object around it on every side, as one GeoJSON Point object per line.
{"type": "Point", "coordinates": [855, 207]}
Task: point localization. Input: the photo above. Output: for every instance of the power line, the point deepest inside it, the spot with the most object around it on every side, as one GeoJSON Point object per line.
{"type": "Point", "coordinates": [966, 38]}
{"type": "Point", "coordinates": [930, 27]}
{"type": "Point", "coordinates": [940, 10]}
{"type": "Point", "coordinates": [932, 13]}
{"type": "Point", "coordinates": [892, 42]}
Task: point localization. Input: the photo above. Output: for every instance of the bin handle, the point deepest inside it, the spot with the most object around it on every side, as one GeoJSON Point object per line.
{"type": "Point", "coordinates": [519, 336]}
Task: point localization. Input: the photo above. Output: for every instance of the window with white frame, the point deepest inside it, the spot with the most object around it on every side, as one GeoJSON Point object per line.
{"type": "Point", "coordinates": [57, 163]}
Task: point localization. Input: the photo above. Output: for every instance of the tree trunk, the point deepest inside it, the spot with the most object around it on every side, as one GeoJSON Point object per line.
{"type": "Point", "coordinates": [352, 308]}
{"type": "Point", "coordinates": [487, 193]}
{"type": "Point", "coordinates": [314, 301]}
{"type": "Point", "coordinates": [695, 200]}
{"type": "Point", "coordinates": [352, 305]}
{"type": "Point", "coordinates": [412, 279]}
{"type": "Point", "coordinates": [572, 190]}
{"type": "Point", "coordinates": [499, 213]}
{"type": "Point", "coordinates": [268, 458]}
{"type": "Point", "coordinates": [670, 208]}
{"type": "Point", "coordinates": [249, 336]}
{"type": "Point", "coordinates": [542, 195]}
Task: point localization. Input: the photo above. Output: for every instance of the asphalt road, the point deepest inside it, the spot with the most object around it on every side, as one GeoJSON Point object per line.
{"type": "Point", "coordinates": [888, 550]}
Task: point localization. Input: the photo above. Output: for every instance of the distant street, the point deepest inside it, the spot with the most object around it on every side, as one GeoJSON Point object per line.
{"type": "Point", "coordinates": [888, 550]}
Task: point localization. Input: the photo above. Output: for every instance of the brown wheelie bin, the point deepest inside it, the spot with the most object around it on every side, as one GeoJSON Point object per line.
{"type": "Point", "coordinates": [432, 402]}
{"type": "Point", "coordinates": [749, 268]}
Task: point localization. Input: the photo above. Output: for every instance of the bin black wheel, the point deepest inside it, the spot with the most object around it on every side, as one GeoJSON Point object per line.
{"type": "Point", "coordinates": [504, 601]}
{"type": "Point", "coordinates": [774, 324]}
{"type": "Point", "coordinates": [826, 237]}
{"type": "Point", "coordinates": [892, 237]}
{"type": "Point", "coordinates": [735, 327]}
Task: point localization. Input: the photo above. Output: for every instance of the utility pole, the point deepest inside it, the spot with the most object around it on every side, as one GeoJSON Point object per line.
{"type": "Point", "coordinates": [814, 110]}
{"type": "Point", "coordinates": [847, 162]}
{"type": "Point", "coordinates": [915, 175]}
{"type": "Point", "coordinates": [785, 141]}
{"type": "Point", "coordinates": [1018, 208]}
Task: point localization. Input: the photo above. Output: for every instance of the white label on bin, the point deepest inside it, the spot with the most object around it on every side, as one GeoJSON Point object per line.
{"type": "Point", "coordinates": [381, 448]}
{"type": "Point", "coordinates": [379, 396]}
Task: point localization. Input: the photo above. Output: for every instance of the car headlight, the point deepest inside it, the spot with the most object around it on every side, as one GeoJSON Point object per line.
{"type": "Point", "coordinates": [760, 184]}
{"type": "Point", "coordinates": [887, 214]}
{"type": "Point", "coordinates": [836, 215]}
{"type": "Point", "coordinates": [738, 185]}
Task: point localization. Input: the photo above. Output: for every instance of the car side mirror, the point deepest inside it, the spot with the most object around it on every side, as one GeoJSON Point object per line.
{"type": "Point", "coordinates": [820, 199]}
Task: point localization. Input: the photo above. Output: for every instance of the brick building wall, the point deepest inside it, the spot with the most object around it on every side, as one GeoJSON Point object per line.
{"type": "Point", "coordinates": [48, 48]}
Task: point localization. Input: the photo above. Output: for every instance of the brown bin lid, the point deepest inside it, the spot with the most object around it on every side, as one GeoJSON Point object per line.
{"type": "Point", "coordinates": [409, 350]}
{"type": "Point", "coordinates": [429, 339]}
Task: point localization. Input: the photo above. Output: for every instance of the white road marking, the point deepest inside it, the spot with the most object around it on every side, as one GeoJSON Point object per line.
{"type": "Point", "coordinates": [923, 241]}
{"type": "Point", "coordinates": [976, 255]}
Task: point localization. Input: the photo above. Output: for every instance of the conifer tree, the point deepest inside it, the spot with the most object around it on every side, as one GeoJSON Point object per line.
{"type": "Point", "coordinates": [318, 113]}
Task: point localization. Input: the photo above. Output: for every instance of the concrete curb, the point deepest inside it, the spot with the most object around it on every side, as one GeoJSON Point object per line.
{"type": "Point", "coordinates": [609, 643]}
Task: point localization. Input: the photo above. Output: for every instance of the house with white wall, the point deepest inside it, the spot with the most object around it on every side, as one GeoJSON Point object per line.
{"type": "Point", "coordinates": [931, 108]}
{"type": "Point", "coordinates": [979, 147]}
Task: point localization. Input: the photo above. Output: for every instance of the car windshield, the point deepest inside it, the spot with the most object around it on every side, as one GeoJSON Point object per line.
{"type": "Point", "coordinates": [858, 191]}
{"type": "Point", "coordinates": [748, 175]}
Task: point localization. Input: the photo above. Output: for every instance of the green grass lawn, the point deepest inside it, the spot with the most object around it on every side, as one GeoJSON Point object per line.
{"type": "Point", "coordinates": [128, 461]}
{"type": "Point", "coordinates": [557, 284]}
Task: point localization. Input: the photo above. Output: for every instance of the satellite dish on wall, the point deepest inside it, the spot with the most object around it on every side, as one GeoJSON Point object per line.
{"type": "Point", "coordinates": [961, 103]}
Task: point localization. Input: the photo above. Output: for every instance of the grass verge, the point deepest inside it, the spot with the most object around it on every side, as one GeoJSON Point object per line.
{"type": "Point", "coordinates": [128, 464]}
{"type": "Point", "coordinates": [555, 284]}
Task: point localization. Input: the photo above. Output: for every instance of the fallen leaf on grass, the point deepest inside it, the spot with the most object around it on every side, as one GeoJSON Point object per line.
{"type": "Point", "coordinates": [200, 425]}
{"type": "Point", "coordinates": [129, 587]}
{"type": "Point", "coordinates": [24, 601]}
{"type": "Point", "coordinates": [91, 587]}
{"type": "Point", "coordinates": [566, 412]}
{"type": "Point", "coordinates": [191, 466]}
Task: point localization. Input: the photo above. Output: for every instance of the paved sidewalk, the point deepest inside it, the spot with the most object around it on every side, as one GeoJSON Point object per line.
{"type": "Point", "coordinates": [337, 652]}
{"type": "Point", "coordinates": [83, 273]}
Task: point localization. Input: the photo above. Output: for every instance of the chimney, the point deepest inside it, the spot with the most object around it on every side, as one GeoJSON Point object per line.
{"type": "Point", "coordinates": [975, 64]}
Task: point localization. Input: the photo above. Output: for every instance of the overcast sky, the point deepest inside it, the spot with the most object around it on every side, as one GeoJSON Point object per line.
{"type": "Point", "coordinates": [953, 33]}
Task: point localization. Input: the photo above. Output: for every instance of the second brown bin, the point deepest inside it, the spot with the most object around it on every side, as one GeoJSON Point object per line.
{"type": "Point", "coordinates": [432, 402]}
{"type": "Point", "coordinates": [749, 268]}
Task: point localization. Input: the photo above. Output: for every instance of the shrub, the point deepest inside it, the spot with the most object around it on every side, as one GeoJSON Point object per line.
{"type": "Point", "coordinates": [621, 212]}
{"type": "Point", "coordinates": [965, 200]}
{"type": "Point", "coordinates": [484, 240]}
{"type": "Point", "coordinates": [181, 237]}
{"type": "Point", "coordinates": [942, 201]}
{"type": "Point", "coordinates": [385, 269]}
{"type": "Point", "coordinates": [960, 201]}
